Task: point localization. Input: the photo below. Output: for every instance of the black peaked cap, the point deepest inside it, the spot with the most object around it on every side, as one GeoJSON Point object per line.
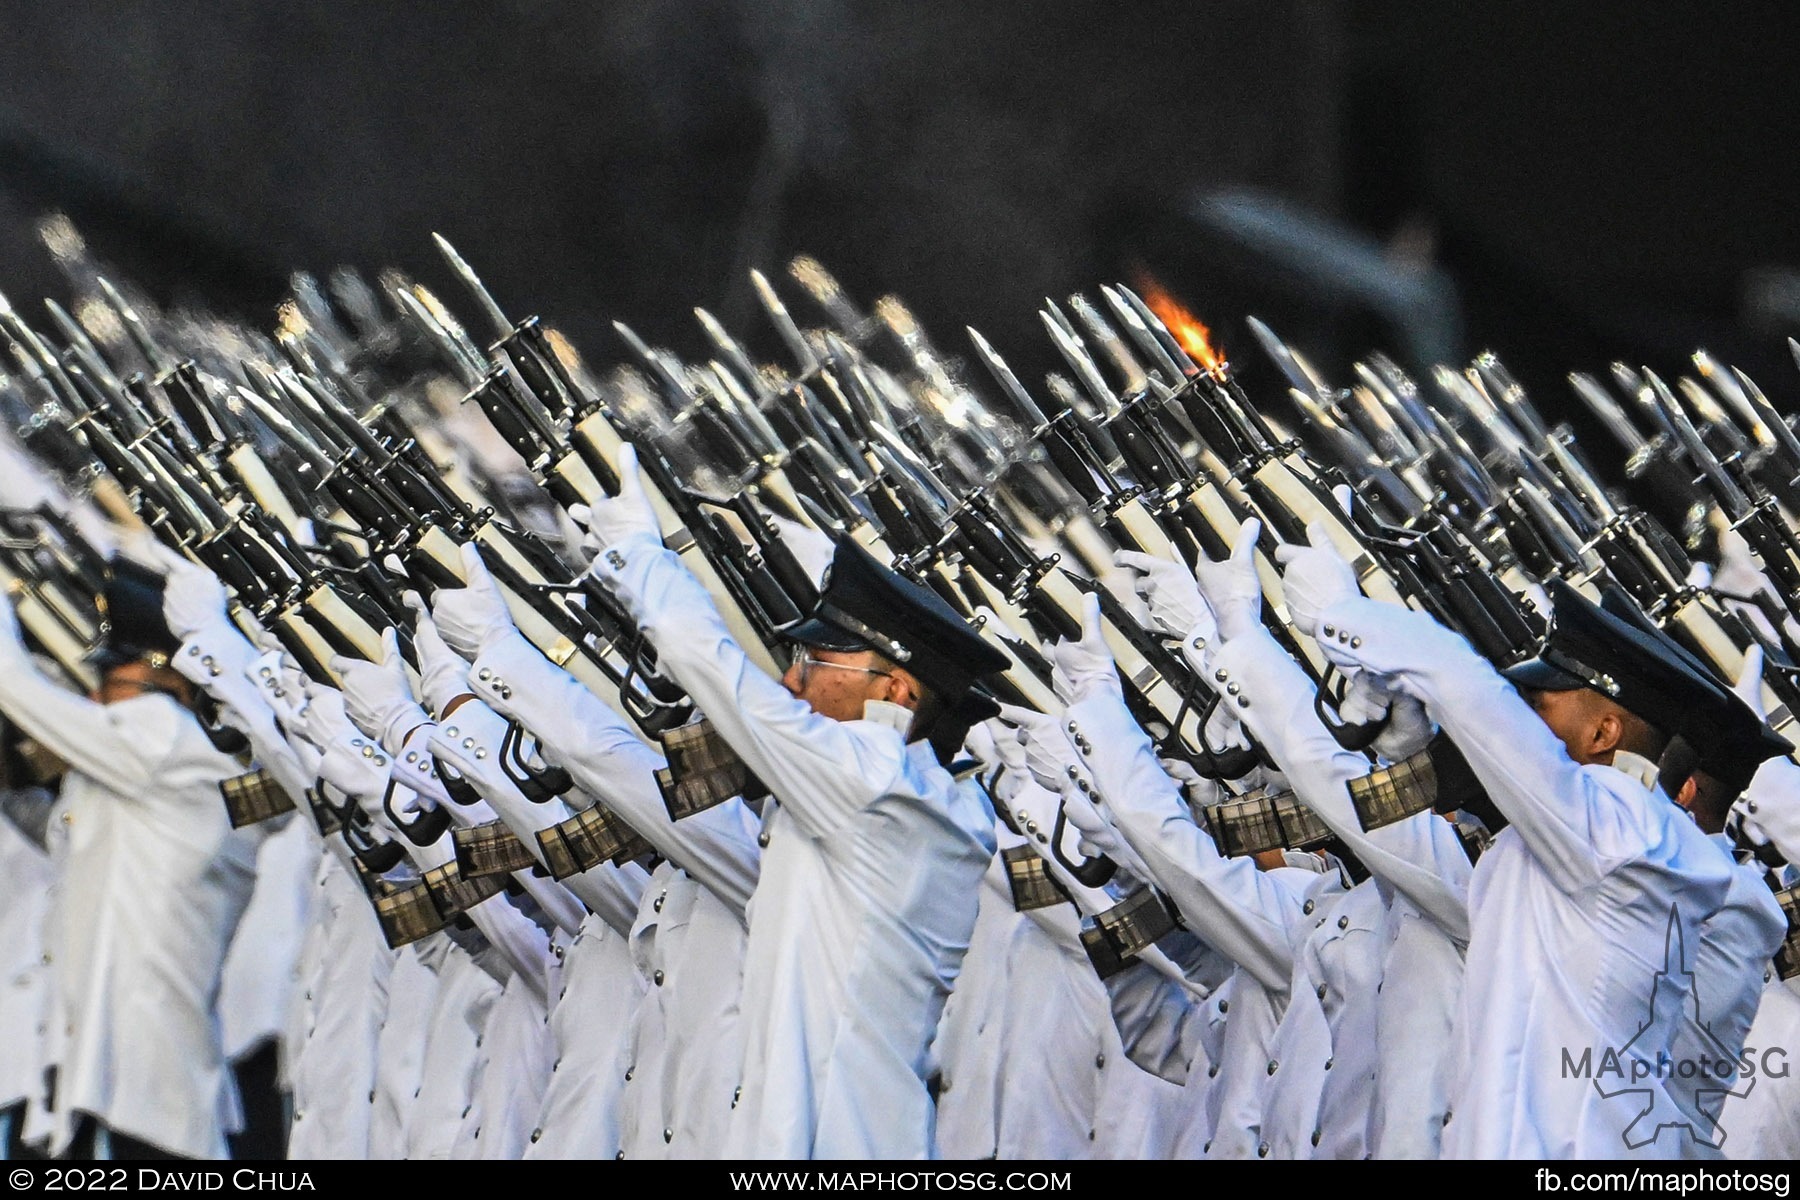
{"type": "Point", "coordinates": [131, 608]}
{"type": "Point", "coordinates": [1731, 739]}
{"type": "Point", "coordinates": [1641, 671]}
{"type": "Point", "coordinates": [864, 605]}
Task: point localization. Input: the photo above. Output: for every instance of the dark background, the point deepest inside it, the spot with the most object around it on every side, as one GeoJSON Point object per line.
{"type": "Point", "coordinates": [1564, 183]}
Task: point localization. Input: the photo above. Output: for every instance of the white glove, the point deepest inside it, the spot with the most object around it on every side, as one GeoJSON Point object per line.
{"type": "Point", "coordinates": [1315, 578]}
{"type": "Point", "coordinates": [1048, 752]}
{"type": "Point", "coordinates": [1049, 755]}
{"type": "Point", "coordinates": [469, 743]}
{"type": "Point", "coordinates": [1084, 667]}
{"type": "Point", "coordinates": [1223, 730]}
{"type": "Point", "coordinates": [443, 676]}
{"type": "Point", "coordinates": [1100, 836]}
{"type": "Point", "coordinates": [1198, 790]}
{"type": "Point", "coordinates": [415, 772]}
{"type": "Point", "coordinates": [1749, 684]}
{"type": "Point", "coordinates": [281, 684]}
{"type": "Point", "coordinates": [376, 695]}
{"type": "Point", "coordinates": [1368, 697]}
{"type": "Point", "coordinates": [625, 515]}
{"type": "Point", "coordinates": [1168, 588]}
{"type": "Point", "coordinates": [1231, 587]}
{"type": "Point", "coordinates": [323, 719]}
{"type": "Point", "coordinates": [23, 485]}
{"type": "Point", "coordinates": [473, 617]}
{"type": "Point", "coordinates": [1770, 807]}
{"type": "Point", "coordinates": [193, 597]}
{"type": "Point", "coordinates": [1010, 757]}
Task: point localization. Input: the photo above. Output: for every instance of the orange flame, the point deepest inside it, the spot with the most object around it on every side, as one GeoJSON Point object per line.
{"type": "Point", "coordinates": [1189, 330]}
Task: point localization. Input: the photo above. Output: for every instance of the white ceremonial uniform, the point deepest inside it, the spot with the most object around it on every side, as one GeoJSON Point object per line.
{"type": "Point", "coordinates": [1256, 918]}
{"type": "Point", "coordinates": [25, 965]}
{"type": "Point", "coordinates": [1068, 1104]}
{"type": "Point", "coordinates": [342, 1003]}
{"type": "Point", "coordinates": [693, 934]}
{"type": "Point", "coordinates": [1175, 1034]}
{"type": "Point", "coordinates": [1053, 1041]}
{"type": "Point", "coordinates": [400, 1051]}
{"type": "Point", "coordinates": [866, 899]}
{"type": "Point", "coordinates": [1573, 911]}
{"type": "Point", "coordinates": [466, 992]}
{"type": "Point", "coordinates": [255, 992]}
{"type": "Point", "coordinates": [642, 1102]}
{"type": "Point", "coordinates": [1761, 1117]}
{"type": "Point", "coordinates": [967, 1047]}
{"type": "Point", "coordinates": [693, 959]}
{"type": "Point", "coordinates": [1423, 873]}
{"type": "Point", "coordinates": [1342, 963]}
{"type": "Point", "coordinates": [1421, 994]}
{"type": "Point", "coordinates": [1730, 971]}
{"type": "Point", "coordinates": [154, 880]}
{"type": "Point", "coordinates": [1069, 1091]}
{"type": "Point", "coordinates": [517, 1051]}
{"type": "Point", "coordinates": [1142, 1116]}
{"type": "Point", "coordinates": [591, 1026]}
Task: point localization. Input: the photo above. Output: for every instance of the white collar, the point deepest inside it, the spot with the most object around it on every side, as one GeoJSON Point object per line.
{"type": "Point", "coordinates": [1635, 766]}
{"type": "Point", "coordinates": [897, 717]}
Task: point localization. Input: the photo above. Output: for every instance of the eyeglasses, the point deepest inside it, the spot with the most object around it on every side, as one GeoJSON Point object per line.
{"type": "Point", "coordinates": [804, 661]}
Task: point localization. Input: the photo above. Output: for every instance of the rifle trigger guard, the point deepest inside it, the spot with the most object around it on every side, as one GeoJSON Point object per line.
{"type": "Point", "coordinates": [536, 784]}
{"type": "Point", "coordinates": [459, 789]}
{"type": "Point", "coordinates": [423, 829]}
{"type": "Point", "coordinates": [1094, 872]}
{"type": "Point", "coordinates": [1349, 735]}
{"type": "Point", "coordinates": [1220, 765]}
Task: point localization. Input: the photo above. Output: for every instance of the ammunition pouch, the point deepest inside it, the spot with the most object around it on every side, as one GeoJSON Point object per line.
{"type": "Point", "coordinates": [703, 771]}
{"type": "Point", "coordinates": [1125, 930]}
{"type": "Point", "coordinates": [1029, 877]}
{"type": "Point", "coordinates": [586, 840]}
{"type": "Point", "coordinates": [490, 849]}
{"type": "Point", "coordinates": [254, 797]}
{"type": "Point", "coordinates": [1261, 821]}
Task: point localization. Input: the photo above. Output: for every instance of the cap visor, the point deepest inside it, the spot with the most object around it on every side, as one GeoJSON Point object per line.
{"type": "Point", "coordinates": [1537, 674]}
{"type": "Point", "coordinates": [824, 635]}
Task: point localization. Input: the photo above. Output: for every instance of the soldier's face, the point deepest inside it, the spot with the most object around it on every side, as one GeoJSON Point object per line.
{"type": "Point", "coordinates": [130, 680]}
{"type": "Point", "coordinates": [1575, 717]}
{"type": "Point", "coordinates": [837, 683]}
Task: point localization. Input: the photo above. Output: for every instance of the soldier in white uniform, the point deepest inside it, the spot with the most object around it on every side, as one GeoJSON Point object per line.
{"type": "Point", "coordinates": [153, 881]}
{"type": "Point", "coordinates": [868, 890]}
{"type": "Point", "coordinates": [1575, 907]}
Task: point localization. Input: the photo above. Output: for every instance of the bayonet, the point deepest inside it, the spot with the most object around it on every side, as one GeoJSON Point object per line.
{"type": "Point", "coordinates": [1726, 385]}
{"type": "Point", "coordinates": [1073, 353]}
{"type": "Point", "coordinates": [83, 348]}
{"type": "Point", "coordinates": [1732, 498]}
{"type": "Point", "coordinates": [1009, 383]}
{"type": "Point", "coordinates": [1759, 403]}
{"type": "Point", "coordinates": [484, 300]}
{"type": "Point", "coordinates": [1160, 332]}
{"type": "Point", "coordinates": [134, 326]}
{"type": "Point", "coordinates": [1707, 409]}
{"type": "Point", "coordinates": [810, 274]}
{"type": "Point", "coordinates": [442, 328]}
{"type": "Point", "coordinates": [1107, 338]}
{"type": "Point", "coordinates": [734, 354]}
{"type": "Point", "coordinates": [1141, 335]}
{"type": "Point", "coordinates": [789, 332]}
{"type": "Point", "coordinates": [1600, 402]}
